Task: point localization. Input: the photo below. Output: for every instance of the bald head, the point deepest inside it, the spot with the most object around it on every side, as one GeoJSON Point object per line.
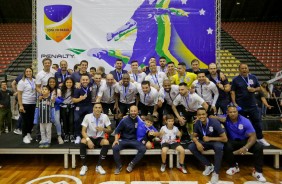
{"type": "Point", "coordinates": [110, 79]}
{"type": "Point", "coordinates": [212, 68]}
{"type": "Point", "coordinates": [133, 111]}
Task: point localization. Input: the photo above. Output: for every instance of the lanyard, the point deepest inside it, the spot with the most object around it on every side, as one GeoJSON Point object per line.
{"type": "Point", "coordinates": [32, 84]}
{"type": "Point", "coordinates": [145, 97]}
{"type": "Point", "coordinates": [181, 78]}
{"type": "Point", "coordinates": [216, 79]}
{"type": "Point", "coordinates": [119, 75]}
{"type": "Point", "coordinates": [97, 122]}
{"type": "Point", "coordinates": [135, 76]}
{"type": "Point", "coordinates": [85, 90]}
{"type": "Point", "coordinates": [204, 130]}
{"type": "Point", "coordinates": [125, 91]}
{"type": "Point", "coordinates": [246, 81]}
{"type": "Point", "coordinates": [155, 79]}
{"type": "Point", "coordinates": [187, 100]}
{"type": "Point", "coordinates": [64, 76]}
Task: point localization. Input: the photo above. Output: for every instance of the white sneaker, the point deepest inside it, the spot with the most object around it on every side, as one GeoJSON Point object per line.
{"type": "Point", "coordinates": [163, 166]}
{"type": "Point", "coordinates": [18, 131]}
{"type": "Point", "coordinates": [29, 136]}
{"type": "Point", "coordinates": [26, 140]}
{"type": "Point", "coordinates": [232, 170]}
{"type": "Point", "coordinates": [60, 140]}
{"type": "Point", "coordinates": [83, 170]}
{"type": "Point", "coordinates": [263, 142]}
{"type": "Point", "coordinates": [100, 170]}
{"type": "Point", "coordinates": [214, 178]}
{"type": "Point", "coordinates": [208, 170]}
{"type": "Point", "coordinates": [259, 176]}
{"type": "Point", "coordinates": [77, 140]}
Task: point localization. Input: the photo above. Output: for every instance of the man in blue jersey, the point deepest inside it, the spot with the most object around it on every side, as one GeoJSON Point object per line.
{"type": "Point", "coordinates": [241, 139]}
{"type": "Point", "coordinates": [243, 91]}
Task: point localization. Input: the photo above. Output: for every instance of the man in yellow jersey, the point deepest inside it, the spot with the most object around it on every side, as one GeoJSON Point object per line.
{"type": "Point", "coordinates": [183, 76]}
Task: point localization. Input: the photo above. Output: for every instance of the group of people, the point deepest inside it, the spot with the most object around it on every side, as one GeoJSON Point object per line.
{"type": "Point", "coordinates": [167, 102]}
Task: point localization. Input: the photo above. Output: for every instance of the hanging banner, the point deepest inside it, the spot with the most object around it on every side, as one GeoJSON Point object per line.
{"type": "Point", "coordinates": [100, 31]}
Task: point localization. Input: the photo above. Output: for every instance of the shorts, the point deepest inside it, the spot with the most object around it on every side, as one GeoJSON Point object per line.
{"type": "Point", "coordinates": [170, 146]}
{"type": "Point", "coordinates": [124, 108]}
{"type": "Point", "coordinates": [96, 141]}
{"type": "Point", "coordinates": [145, 109]}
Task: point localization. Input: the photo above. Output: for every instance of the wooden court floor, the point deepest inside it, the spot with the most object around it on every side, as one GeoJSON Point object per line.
{"type": "Point", "coordinates": [24, 168]}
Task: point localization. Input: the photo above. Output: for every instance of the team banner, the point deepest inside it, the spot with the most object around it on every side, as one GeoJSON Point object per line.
{"type": "Point", "coordinates": [100, 31]}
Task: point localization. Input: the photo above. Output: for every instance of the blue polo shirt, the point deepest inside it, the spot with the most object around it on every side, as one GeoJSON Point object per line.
{"type": "Point", "coordinates": [77, 75]}
{"type": "Point", "coordinates": [60, 78]}
{"type": "Point", "coordinates": [117, 75]}
{"type": "Point", "coordinates": [240, 129]}
{"type": "Point", "coordinates": [127, 128]}
{"type": "Point", "coordinates": [244, 98]}
{"type": "Point", "coordinates": [80, 92]}
{"type": "Point", "coordinates": [213, 128]}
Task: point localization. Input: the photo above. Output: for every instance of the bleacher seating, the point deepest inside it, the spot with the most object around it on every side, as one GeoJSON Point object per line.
{"type": "Point", "coordinates": [228, 64]}
{"type": "Point", "coordinates": [14, 38]}
{"type": "Point", "coordinates": [262, 39]}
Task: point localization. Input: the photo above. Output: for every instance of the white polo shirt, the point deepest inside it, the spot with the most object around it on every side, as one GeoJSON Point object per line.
{"type": "Point", "coordinates": [127, 95]}
{"type": "Point", "coordinates": [156, 79]}
{"type": "Point", "coordinates": [169, 97]}
{"type": "Point", "coordinates": [150, 99]}
{"type": "Point", "coordinates": [191, 103]}
{"type": "Point", "coordinates": [107, 93]}
{"type": "Point", "coordinates": [42, 77]}
{"type": "Point", "coordinates": [91, 122]}
{"type": "Point", "coordinates": [208, 92]}
{"type": "Point", "coordinates": [139, 77]}
{"type": "Point", "coordinates": [28, 91]}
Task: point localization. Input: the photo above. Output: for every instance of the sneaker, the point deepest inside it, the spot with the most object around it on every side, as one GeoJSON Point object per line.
{"type": "Point", "coordinates": [182, 169]}
{"type": "Point", "coordinates": [263, 142]}
{"type": "Point", "coordinates": [41, 146]}
{"type": "Point", "coordinates": [47, 145]}
{"type": "Point", "coordinates": [60, 140]}
{"type": "Point", "coordinates": [67, 138]}
{"type": "Point", "coordinates": [232, 170]}
{"type": "Point", "coordinates": [18, 131]}
{"type": "Point", "coordinates": [129, 167]}
{"type": "Point", "coordinates": [100, 170]}
{"type": "Point", "coordinates": [214, 178]}
{"type": "Point", "coordinates": [83, 170]}
{"type": "Point", "coordinates": [6, 130]}
{"type": "Point", "coordinates": [77, 140]}
{"type": "Point", "coordinates": [259, 176]}
{"type": "Point", "coordinates": [208, 170]}
{"type": "Point", "coordinates": [163, 166]}
{"type": "Point", "coordinates": [26, 140]}
{"type": "Point", "coordinates": [72, 139]}
{"type": "Point", "coordinates": [118, 170]}
{"type": "Point", "coordinates": [29, 136]}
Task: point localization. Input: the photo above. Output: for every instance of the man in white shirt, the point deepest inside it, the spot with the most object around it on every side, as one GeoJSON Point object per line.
{"type": "Point", "coordinates": [208, 92]}
{"type": "Point", "coordinates": [107, 95]}
{"type": "Point", "coordinates": [94, 126]}
{"type": "Point", "coordinates": [43, 76]}
{"type": "Point", "coordinates": [41, 79]}
{"type": "Point", "coordinates": [125, 96]}
{"type": "Point", "coordinates": [149, 99]}
{"type": "Point", "coordinates": [97, 86]}
{"type": "Point", "coordinates": [162, 67]}
{"type": "Point", "coordinates": [154, 77]}
{"type": "Point", "coordinates": [169, 93]}
{"type": "Point", "coordinates": [191, 102]}
{"type": "Point", "coordinates": [135, 74]}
